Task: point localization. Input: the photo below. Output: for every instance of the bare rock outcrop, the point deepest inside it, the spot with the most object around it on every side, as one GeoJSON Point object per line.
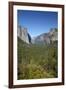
{"type": "Point", "coordinates": [23, 34]}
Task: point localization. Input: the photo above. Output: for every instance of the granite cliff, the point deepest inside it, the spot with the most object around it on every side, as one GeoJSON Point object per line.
{"type": "Point", "coordinates": [23, 34]}
{"type": "Point", "coordinates": [46, 38]}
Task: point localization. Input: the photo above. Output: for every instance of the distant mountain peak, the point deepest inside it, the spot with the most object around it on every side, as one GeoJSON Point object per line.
{"type": "Point", "coordinates": [46, 38]}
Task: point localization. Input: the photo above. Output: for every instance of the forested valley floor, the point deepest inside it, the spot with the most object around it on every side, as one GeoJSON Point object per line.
{"type": "Point", "coordinates": [37, 61]}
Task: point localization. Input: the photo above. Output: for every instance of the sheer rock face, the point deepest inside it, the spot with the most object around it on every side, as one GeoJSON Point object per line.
{"type": "Point", "coordinates": [23, 34]}
{"type": "Point", "coordinates": [47, 38]}
{"type": "Point", "coordinates": [53, 35]}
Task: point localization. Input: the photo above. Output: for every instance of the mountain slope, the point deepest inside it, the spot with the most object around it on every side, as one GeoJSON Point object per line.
{"type": "Point", "coordinates": [46, 38]}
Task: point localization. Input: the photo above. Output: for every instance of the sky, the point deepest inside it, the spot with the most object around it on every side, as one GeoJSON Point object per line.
{"type": "Point", "coordinates": [37, 22]}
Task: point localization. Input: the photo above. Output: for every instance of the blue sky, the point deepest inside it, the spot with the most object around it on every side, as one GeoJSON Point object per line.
{"type": "Point", "coordinates": [37, 22]}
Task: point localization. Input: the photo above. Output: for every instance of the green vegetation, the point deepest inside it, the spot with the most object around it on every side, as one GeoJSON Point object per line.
{"type": "Point", "coordinates": [37, 61]}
